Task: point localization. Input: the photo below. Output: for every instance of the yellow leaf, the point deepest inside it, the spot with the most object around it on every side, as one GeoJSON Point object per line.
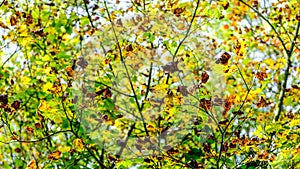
{"type": "Point", "coordinates": [44, 106]}
{"type": "Point", "coordinates": [294, 122]}
{"type": "Point", "coordinates": [55, 155]}
{"type": "Point", "coordinates": [46, 58]}
{"type": "Point", "coordinates": [240, 49]}
{"type": "Point", "coordinates": [78, 144]}
{"type": "Point", "coordinates": [32, 165]}
{"type": "Point", "coordinates": [64, 149]}
{"type": "Point", "coordinates": [47, 86]}
{"type": "Point", "coordinates": [25, 80]}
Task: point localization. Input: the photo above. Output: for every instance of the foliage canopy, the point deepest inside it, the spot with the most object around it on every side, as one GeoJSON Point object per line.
{"type": "Point", "coordinates": [150, 84]}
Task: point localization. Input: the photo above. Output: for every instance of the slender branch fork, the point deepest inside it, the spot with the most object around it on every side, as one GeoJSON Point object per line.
{"type": "Point", "coordinates": [289, 53]}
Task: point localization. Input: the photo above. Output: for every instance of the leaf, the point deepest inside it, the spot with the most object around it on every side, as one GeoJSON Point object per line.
{"type": "Point", "coordinates": [82, 62]}
{"type": "Point", "coordinates": [78, 144]}
{"type": "Point", "coordinates": [32, 165]}
{"type": "Point", "coordinates": [25, 80]}
{"type": "Point", "coordinates": [44, 106]}
{"type": "Point", "coordinates": [240, 49]}
{"type": "Point", "coordinates": [55, 155]}
{"type": "Point", "coordinates": [3, 25]}
{"type": "Point", "coordinates": [47, 86]}
{"type": "Point", "coordinates": [206, 104]}
{"type": "Point", "coordinates": [204, 77]}
{"type": "Point", "coordinates": [13, 20]}
{"type": "Point", "coordinates": [222, 58]}
{"type": "Point", "coordinates": [261, 75]}
{"type": "Point", "coordinates": [261, 103]}
{"type": "Point", "coordinates": [4, 99]}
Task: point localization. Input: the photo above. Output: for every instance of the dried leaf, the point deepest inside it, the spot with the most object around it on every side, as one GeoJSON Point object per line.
{"type": "Point", "coordinates": [16, 104]}
{"type": "Point", "coordinates": [4, 99]}
{"type": "Point", "coordinates": [204, 77]}
{"type": "Point", "coordinates": [13, 20]}
{"type": "Point", "coordinates": [223, 122]}
{"type": "Point", "coordinates": [261, 75]}
{"type": "Point", "coordinates": [3, 25]}
{"type": "Point", "coordinates": [206, 104]}
{"type": "Point", "coordinates": [223, 59]}
{"type": "Point", "coordinates": [82, 62]}
{"type": "Point", "coordinates": [261, 103]}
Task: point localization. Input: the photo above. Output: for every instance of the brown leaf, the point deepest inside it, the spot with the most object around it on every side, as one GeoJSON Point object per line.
{"type": "Point", "coordinates": [40, 32]}
{"type": "Point", "coordinates": [17, 150]}
{"type": "Point", "coordinates": [29, 19]}
{"type": "Point", "coordinates": [261, 103]}
{"type": "Point", "coordinates": [171, 67]}
{"type": "Point", "coordinates": [229, 101]}
{"type": "Point", "coordinates": [13, 20]}
{"type": "Point", "coordinates": [261, 75]}
{"type": "Point", "coordinates": [204, 77]}
{"type": "Point", "coordinates": [223, 59]}
{"type": "Point", "coordinates": [16, 104]}
{"type": "Point", "coordinates": [82, 62]}
{"type": "Point", "coordinates": [217, 101]}
{"type": "Point", "coordinates": [225, 6]}
{"type": "Point", "coordinates": [182, 90]}
{"type": "Point", "coordinates": [223, 122]}
{"type": "Point", "coordinates": [4, 99]}
{"type": "Point", "coordinates": [206, 104]}
{"type": "Point", "coordinates": [29, 129]}
{"type": "Point", "coordinates": [38, 125]}
{"type": "Point", "coordinates": [105, 92]}
{"type": "Point", "coordinates": [70, 71]}
{"type": "Point", "coordinates": [178, 11]}
{"type": "Point", "coordinates": [255, 3]}
{"type": "Point", "coordinates": [206, 147]}
{"type": "Point", "coordinates": [129, 48]}
{"type": "Point", "coordinates": [3, 25]}
{"type": "Point", "coordinates": [298, 18]}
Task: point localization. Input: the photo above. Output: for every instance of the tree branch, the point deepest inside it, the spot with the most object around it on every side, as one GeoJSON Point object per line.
{"type": "Point", "coordinates": [265, 19]}
{"type": "Point", "coordinates": [286, 74]}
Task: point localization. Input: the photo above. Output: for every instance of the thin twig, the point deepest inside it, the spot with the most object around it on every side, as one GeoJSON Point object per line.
{"type": "Point", "coordinates": [265, 19]}
{"type": "Point", "coordinates": [37, 140]}
{"type": "Point", "coordinates": [286, 73]}
{"type": "Point", "coordinates": [126, 69]}
{"type": "Point", "coordinates": [188, 30]}
{"type": "Point", "coordinates": [9, 58]}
